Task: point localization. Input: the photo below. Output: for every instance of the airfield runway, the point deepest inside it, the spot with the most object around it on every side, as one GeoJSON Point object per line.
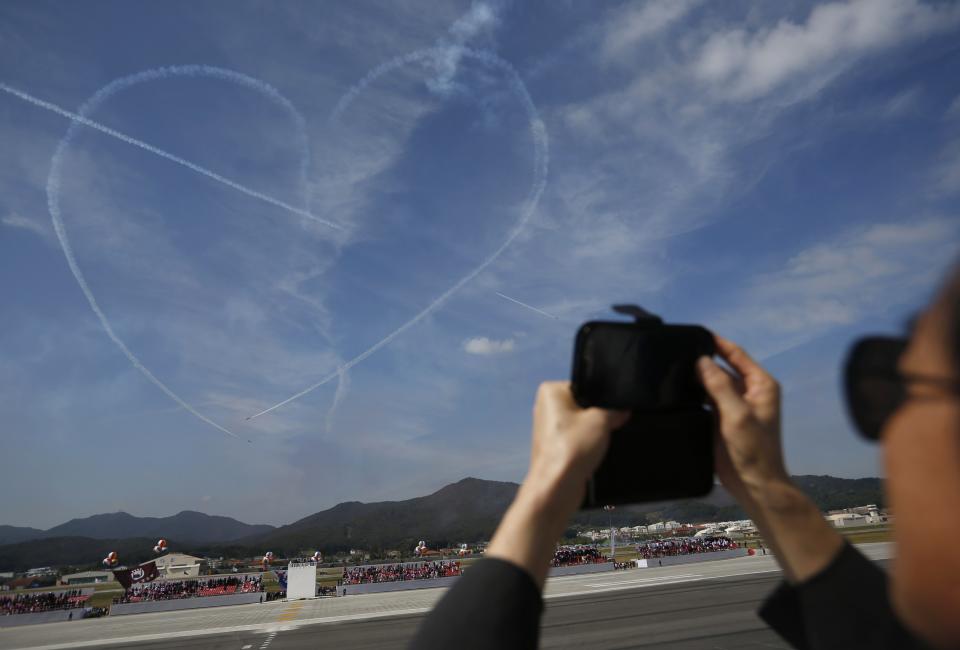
{"type": "Point", "coordinates": [705, 605]}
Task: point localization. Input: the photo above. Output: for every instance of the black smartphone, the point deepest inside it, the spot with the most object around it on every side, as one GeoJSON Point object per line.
{"type": "Point", "coordinates": [639, 366]}
{"type": "Point", "coordinates": [647, 367]}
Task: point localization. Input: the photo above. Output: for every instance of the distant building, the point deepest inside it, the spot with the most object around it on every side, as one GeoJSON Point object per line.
{"type": "Point", "coordinates": [843, 519]}
{"type": "Point", "coordinates": [41, 571]}
{"type": "Point", "coordinates": [178, 565]}
{"type": "Point", "coordinates": [86, 577]}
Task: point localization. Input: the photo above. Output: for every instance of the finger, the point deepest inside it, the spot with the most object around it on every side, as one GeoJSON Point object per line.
{"type": "Point", "coordinates": [720, 386]}
{"type": "Point", "coordinates": [742, 362]}
{"type": "Point", "coordinates": [605, 419]}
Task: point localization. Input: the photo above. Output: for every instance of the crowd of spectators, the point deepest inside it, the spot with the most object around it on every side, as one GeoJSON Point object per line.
{"type": "Point", "coordinates": [570, 555]}
{"type": "Point", "coordinates": [684, 546]}
{"type": "Point", "coordinates": [191, 589]}
{"type": "Point", "coordinates": [394, 572]}
{"type": "Point", "coordinates": [42, 602]}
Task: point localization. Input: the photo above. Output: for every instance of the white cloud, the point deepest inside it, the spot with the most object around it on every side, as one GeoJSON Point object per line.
{"type": "Point", "coordinates": [41, 229]}
{"type": "Point", "coordinates": [633, 24]}
{"type": "Point", "coordinates": [481, 17]}
{"type": "Point", "coordinates": [746, 65]}
{"type": "Point", "coordinates": [863, 271]}
{"type": "Point", "coordinates": [484, 346]}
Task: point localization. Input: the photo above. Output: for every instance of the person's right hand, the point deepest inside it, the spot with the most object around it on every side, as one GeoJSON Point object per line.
{"type": "Point", "coordinates": [749, 454]}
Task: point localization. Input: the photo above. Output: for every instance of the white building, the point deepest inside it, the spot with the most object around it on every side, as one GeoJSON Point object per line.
{"type": "Point", "coordinates": [178, 565]}
{"type": "Point", "coordinates": [842, 519]}
{"type": "Point", "coordinates": [86, 577]}
{"type": "Point", "coordinates": [41, 571]}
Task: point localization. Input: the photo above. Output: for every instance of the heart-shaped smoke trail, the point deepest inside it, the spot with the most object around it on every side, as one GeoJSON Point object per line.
{"type": "Point", "coordinates": [538, 133]}
{"type": "Point", "coordinates": [80, 118]}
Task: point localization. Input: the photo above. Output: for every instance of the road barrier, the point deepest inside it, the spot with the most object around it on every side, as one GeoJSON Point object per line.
{"type": "Point", "coordinates": [146, 606]}
{"type": "Point", "coordinates": [55, 616]}
{"type": "Point", "coordinates": [396, 585]}
{"type": "Point", "coordinates": [577, 569]}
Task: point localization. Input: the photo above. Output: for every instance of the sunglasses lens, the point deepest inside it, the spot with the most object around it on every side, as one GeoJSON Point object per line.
{"type": "Point", "coordinates": [873, 385]}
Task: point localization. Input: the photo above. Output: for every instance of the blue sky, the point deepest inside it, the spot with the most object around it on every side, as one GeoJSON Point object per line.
{"type": "Point", "coordinates": [785, 174]}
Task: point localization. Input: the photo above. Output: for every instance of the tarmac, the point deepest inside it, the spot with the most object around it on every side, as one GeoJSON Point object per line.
{"type": "Point", "coordinates": [706, 605]}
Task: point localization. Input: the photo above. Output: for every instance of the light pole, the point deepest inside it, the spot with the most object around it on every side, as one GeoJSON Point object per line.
{"type": "Point", "coordinates": [613, 535]}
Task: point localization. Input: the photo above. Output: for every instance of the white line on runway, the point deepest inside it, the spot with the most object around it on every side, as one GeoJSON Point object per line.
{"type": "Point", "coordinates": [657, 584]}
{"type": "Point", "coordinates": [640, 580]}
{"type": "Point", "coordinates": [253, 627]}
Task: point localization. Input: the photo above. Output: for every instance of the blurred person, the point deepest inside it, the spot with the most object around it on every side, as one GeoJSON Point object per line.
{"type": "Point", "coordinates": [907, 395]}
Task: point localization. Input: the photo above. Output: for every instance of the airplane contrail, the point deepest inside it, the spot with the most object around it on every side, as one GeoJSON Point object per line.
{"type": "Point", "coordinates": [53, 184]}
{"type": "Point", "coordinates": [538, 134]}
{"type": "Point", "coordinates": [80, 119]}
{"type": "Point", "coordinates": [530, 307]}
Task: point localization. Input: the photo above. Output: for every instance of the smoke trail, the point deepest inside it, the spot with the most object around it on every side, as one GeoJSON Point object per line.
{"type": "Point", "coordinates": [343, 385]}
{"type": "Point", "coordinates": [530, 307]}
{"type": "Point", "coordinates": [79, 119]}
{"type": "Point", "coordinates": [480, 16]}
{"type": "Point", "coordinates": [163, 73]}
{"type": "Point", "coordinates": [538, 133]}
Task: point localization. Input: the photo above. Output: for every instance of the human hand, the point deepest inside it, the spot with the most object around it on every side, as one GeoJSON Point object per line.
{"type": "Point", "coordinates": [749, 453]}
{"type": "Point", "coordinates": [568, 442]}
{"type": "Point", "coordinates": [568, 445]}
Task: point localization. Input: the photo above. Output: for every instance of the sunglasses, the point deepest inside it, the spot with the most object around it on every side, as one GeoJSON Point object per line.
{"type": "Point", "coordinates": [874, 385]}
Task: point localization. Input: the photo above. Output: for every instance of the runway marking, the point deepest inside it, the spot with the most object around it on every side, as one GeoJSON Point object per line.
{"type": "Point", "coordinates": [651, 580]}
{"type": "Point", "coordinates": [621, 588]}
{"type": "Point", "coordinates": [253, 627]}
{"type": "Point", "coordinates": [290, 612]}
{"type": "Point", "coordinates": [266, 642]}
{"type": "Point", "coordinates": [246, 647]}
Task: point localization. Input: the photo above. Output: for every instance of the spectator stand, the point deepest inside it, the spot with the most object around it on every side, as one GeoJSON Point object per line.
{"type": "Point", "coordinates": [688, 550]}
{"type": "Point", "coordinates": [43, 607]}
{"type": "Point", "coordinates": [172, 595]}
{"type": "Point", "coordinates": [576, 560]}
{"type": "Point", "coordinates": [377, 578]}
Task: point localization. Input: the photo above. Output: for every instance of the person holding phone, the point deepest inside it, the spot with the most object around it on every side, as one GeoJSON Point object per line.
{"type": "Point", "coordinates": [903, 392]}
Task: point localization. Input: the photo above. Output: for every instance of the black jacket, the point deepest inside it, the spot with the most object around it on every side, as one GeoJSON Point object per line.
{"type": "Point", "coordinates": [497, 605]}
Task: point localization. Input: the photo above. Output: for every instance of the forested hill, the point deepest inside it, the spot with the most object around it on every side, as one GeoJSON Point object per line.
{"type": "Point", "coordinates": [465, 511]}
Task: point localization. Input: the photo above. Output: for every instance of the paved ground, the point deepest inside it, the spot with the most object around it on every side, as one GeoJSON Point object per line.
{"type": "Point", "coordinates": [707, 605]}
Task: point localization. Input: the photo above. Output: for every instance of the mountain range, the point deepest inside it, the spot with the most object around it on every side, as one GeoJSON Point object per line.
{"type": "Point", "coordinates": [465, 511]}
{"type": "Point", "coordinates": [187, 526]}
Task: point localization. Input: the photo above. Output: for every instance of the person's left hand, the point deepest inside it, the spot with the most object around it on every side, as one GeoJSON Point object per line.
{"type": "Point", "coordinates": [568, 442]}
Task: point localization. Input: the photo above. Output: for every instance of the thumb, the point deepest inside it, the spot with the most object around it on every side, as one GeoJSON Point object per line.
{"type": "Point", "coordinates": [721, 388]}
{"type": "Point", "coordinates": [605, 419]}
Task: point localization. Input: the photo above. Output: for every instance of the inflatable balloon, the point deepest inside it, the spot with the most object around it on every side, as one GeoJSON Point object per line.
{"type": "Point", "coordinates": [111, 559]}
{"type": "Point", "coordinates": [161, 546]}
{"type": "Point", "coordinates": [317, 557]}
{"type": "Point", "coordinates": [421, 548]}
{"type": "Point", "coordinates": [463, 550]}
